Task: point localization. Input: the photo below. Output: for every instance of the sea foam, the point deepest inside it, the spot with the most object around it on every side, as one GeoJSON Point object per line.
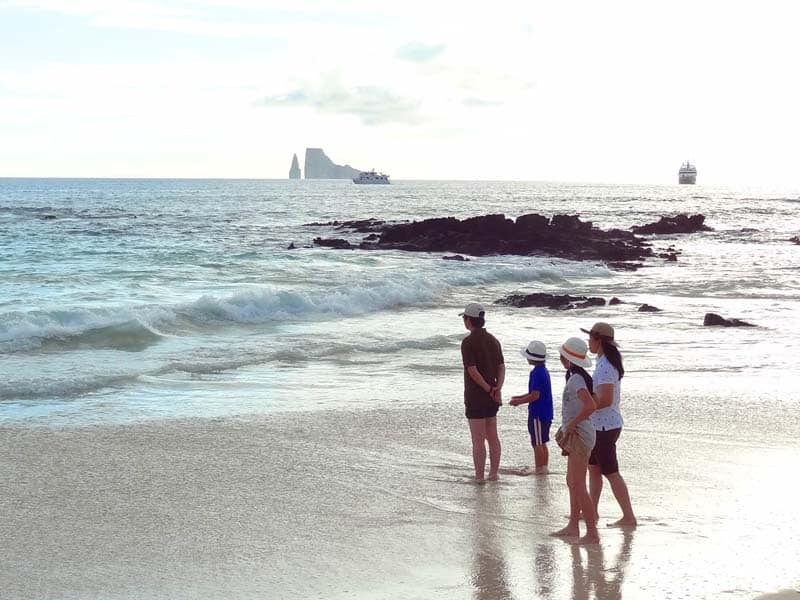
{"type": "Point", "coordinates": [133, 328]}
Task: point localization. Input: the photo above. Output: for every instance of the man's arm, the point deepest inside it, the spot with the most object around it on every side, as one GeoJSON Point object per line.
{"type": "Point", "coordinates": [501, 377]}
{"type": "Point", "coordinates": [476, 376]}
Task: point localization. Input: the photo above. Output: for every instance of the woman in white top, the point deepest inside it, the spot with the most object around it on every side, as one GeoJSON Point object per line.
{"type": "Point", "coordinates": [607, 420]}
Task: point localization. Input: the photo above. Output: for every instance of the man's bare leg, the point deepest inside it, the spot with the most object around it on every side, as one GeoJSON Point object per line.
{"type": "Point", "coordinates": [477, 429]}
{"type": "Point", "coordinates": [494, 448]}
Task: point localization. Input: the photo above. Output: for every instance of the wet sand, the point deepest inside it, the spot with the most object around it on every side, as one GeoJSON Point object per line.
{"type": "Point", "coordinates": [378, 504]}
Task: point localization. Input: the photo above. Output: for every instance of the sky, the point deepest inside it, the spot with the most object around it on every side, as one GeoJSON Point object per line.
{"type": "Point", "coordinates": [583, 91]}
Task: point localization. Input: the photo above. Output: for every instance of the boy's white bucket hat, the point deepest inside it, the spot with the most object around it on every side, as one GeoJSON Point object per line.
{"type": "Point", "coordinates": [575, 351]}
{"type": "Point", "coordinates": [535, 351]}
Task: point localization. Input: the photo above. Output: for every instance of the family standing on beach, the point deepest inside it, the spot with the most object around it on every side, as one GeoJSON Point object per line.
{"type": "Point", "coordinates": [590, 415]}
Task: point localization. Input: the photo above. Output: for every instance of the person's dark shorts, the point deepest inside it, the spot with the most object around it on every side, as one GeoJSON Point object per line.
{"type": "Point", "coordinates": [604, 453]}
{"type": "Point", "coordinates": [539, 430]}
{"type": "Point", "coordinates": [481, 410]}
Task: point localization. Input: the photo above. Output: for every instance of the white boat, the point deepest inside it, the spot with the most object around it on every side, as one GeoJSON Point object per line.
{"type": "Point", "coordinates": [371, 177]}
{"type": "Point", "coordinates": [687, 173]}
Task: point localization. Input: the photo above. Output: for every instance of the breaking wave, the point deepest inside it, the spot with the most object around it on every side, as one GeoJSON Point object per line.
{"type": "Point", "coordinates": [136, 328]}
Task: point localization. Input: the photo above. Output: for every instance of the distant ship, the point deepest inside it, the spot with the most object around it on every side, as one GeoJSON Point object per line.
{"type": "Point", "coordinates": [687, 173]}
{"type": "Point", "coordinates": [371, 177]}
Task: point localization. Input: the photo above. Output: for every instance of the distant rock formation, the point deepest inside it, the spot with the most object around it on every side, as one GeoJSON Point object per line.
{"type": "Point", "coordinates": [294, 171]}
{"type": "Point", "coordinates": [319, 166]}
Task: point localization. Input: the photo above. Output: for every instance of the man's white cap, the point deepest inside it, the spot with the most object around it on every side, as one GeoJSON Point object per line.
{"type": "Point", "coordinates": [473, 310]}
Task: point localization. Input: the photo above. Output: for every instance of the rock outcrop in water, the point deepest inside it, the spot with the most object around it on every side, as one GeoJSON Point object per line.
{"type": "Point", "coordinates": [294, 170]}
{"type": "Point", "coordinates": [319, 166]}
{"type": "Point", "coordinates": [564, 236]}
{"type": "Point", "coordinates": [715, 320]}
{"type": "Point", "coordinates": [681, 223]}
{"type": "Point", "coordinates": [551, 301]}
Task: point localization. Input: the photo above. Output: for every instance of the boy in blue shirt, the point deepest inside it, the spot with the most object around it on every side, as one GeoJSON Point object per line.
{"type": "Point", "coordinates": [540, 404]}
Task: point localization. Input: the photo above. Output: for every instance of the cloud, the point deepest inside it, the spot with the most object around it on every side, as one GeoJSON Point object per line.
{"type": "Point", "coordinates": [473, 102]}
{"type": "Point", "coordinates": [374, 105]}
{"type": "Point", "coordinates": [420, 52]}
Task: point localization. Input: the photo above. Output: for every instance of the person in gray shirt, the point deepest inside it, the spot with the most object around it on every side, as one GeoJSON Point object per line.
{"type": "Point", "coordinates": [576, 437]}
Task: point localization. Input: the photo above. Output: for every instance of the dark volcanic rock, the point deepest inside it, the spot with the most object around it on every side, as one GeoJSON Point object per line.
{"type": "Point", "coordinates": [337, 243]}
{"type": "Point", "coordinates": [681, 223]}
{"type": "Point", "coordinates": [648, 308]}
{"type": "Point", "coordinates": [565, 236]}
{"type": "Point", "coordinates": [455, 257]}
{"type": "Point", "coordinates": [552, 301]}
{"type": "Point", "coordinates": [361, 225]}
{"type": "Point", "coordinates": [623, 266]}
{"type": "Point", "coordinates": [614, 301]}
{"type": "Point", "coordinates": [713, 319]}
{"type": "Point", "coordinates": [795, 239]}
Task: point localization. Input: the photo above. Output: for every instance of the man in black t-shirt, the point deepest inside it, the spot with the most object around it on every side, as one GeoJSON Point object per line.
{"type": "Point", "coordinates": [484, 373]}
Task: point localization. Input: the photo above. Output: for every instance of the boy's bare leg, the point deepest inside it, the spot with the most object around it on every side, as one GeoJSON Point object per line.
{"type": "Point", "coordinates": [494, 448]}
{"type": "Point", "coordinates": [620, 489]}
{"type": "Point", "coordinates": [541, 457]}
{"type": "Point", "coordinates": [477, 429]}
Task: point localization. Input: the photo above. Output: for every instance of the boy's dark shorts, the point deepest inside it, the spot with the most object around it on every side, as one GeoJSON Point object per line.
{"type": "Point", "coordinates": [539, 430]}
{"type": "Point", "coordinates": [604, 453]}
{"type": "Point", "coordinates": [481, 410]}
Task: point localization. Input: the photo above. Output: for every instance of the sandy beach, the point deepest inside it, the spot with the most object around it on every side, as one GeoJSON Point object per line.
{"type": "Point", "coordinates": [377, 504]}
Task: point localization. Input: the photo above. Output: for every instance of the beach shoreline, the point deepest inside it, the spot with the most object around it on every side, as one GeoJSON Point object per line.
{"type": "Point", "coordinates": [370, 503]}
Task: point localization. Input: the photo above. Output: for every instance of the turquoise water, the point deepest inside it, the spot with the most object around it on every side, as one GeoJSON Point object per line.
{"type": "Point", "coordinates": [133, 300]}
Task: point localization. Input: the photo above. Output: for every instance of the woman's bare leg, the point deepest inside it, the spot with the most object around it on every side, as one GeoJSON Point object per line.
{"type": "Point", "coordinates": [595, 487]}
{"type": "Point", "coordinates": [583, 499]}
{"type": "Point", "coordinates": [571, 530]}
{"type": "Point", "coordinates": [620, 489]}
{"type": "Point", "coordinates": [477, 429]}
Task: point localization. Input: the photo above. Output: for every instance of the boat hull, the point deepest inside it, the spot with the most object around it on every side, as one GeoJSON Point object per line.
{"type": "Point", "coordinates": [687, 178]}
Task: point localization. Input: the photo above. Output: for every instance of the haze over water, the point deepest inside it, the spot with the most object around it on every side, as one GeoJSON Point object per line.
{"type": "Point", "coordinates": [315, 394]}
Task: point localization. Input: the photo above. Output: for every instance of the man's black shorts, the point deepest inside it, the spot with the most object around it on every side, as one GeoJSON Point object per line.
{"type": "Point", "coordinates": [481, 410]}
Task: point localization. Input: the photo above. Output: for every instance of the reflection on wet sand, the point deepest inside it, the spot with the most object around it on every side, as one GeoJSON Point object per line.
{"type": "Point", "coordinates": [545, 566]}
{"type": "Point", "coordinates": [489, 578]}
{"type": "Point", "coordinates": [593, 578]}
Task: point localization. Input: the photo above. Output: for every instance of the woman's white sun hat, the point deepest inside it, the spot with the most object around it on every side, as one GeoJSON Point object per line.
{"type": "Point", "coordinates": [535, 351]}
{"type": "Point", "coordinates": [575, 351]}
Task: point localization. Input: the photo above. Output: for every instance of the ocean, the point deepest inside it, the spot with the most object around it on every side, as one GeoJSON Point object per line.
{"type": "Point", "coordinates": [139, 306]}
